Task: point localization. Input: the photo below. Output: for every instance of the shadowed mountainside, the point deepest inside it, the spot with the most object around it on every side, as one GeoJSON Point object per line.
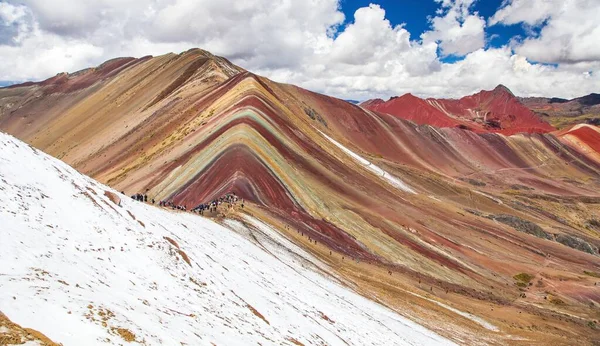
{"type": "Point", "coordinates": [415, 215]}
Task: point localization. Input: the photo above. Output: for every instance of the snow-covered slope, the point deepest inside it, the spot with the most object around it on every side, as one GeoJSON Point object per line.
{"type": "Point", "coordinates": [84, 268]}
{"type": "Point", "coordinates": [397, 183]}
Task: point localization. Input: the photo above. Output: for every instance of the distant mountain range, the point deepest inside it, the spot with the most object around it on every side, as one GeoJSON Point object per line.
{"type": "Point", "coordinates": [5, 83]}
{"type": "Point", "coordinates": [498, 110]}
{"type": "Point", "coordinates": [564, 113]}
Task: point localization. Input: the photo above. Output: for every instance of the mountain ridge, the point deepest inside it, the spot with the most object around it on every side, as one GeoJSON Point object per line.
{"type": "Point", "coordinates": [496, 110]}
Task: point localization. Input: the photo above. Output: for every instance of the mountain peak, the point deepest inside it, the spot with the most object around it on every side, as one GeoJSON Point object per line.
{"type": "Point", "coordinates": [407, 96]}
{"type": "Point", "coordinates": [371, 102]}
{"type": "Point", "coordinates": [500, 88]}
{"type": "Point", "coordinates": [494, 110]}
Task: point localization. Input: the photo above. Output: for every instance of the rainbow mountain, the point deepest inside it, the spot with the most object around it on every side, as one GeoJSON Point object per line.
{"type": "Point", "coordinates": [480, 237]}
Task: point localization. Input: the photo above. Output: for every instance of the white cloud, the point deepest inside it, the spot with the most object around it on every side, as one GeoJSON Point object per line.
{"type": "Point", "coordinates": [301, 42]}
{"type": "Point", "coordinates": [570, 31]}
{"type": "Point", "coordinates": [457, 30]}
{"type": "Point", "coordinates": [13, 23]}
{"type": "Point", "coordinates": [370, 38]}
{"type": "Point", "coordinates": [10, 14]}
{"type": "Point", "coordinates": [531, 12]}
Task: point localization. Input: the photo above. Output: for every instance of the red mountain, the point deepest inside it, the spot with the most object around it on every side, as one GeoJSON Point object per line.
{"type": "Point", "coordinates": [497, 110]}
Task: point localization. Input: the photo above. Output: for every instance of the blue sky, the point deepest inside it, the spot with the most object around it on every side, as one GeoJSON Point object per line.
{"type": "Point", "coordinates": [414, 14]}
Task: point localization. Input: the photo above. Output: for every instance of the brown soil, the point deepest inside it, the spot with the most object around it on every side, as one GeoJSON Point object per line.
{"type": "Point", "coordinates": [173, 242]}
{"type": "Point", "coordinates": [131, 214]}
{"type": "Point", "coordinates": [113, 197]}
{"type": "Point", "coordinates": [295, 342]}
{"type": "Point", "coordinates": [326, 318]}
{"type": "Point", "coordinates": [185, 257]}
{"type": "Point", "coordinates": [258, 314]}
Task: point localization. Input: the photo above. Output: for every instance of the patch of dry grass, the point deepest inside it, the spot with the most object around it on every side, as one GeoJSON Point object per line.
{"type": "Point", "coordinates": [126, 334]}
{"type": "Point", "coordinates": [563, 122]}
{"type": "Point", "coordinates": [523, 277]}
{"type": "Point", "coordinates": [14, 334]}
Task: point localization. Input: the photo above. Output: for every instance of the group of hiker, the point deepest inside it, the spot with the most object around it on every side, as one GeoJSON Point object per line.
{"type": "Point", "coordinates": [140, 197]}
{"type": "Point", "coordinates": [170, 204]}
{"type": "Point", "coordinates": [229, 200]}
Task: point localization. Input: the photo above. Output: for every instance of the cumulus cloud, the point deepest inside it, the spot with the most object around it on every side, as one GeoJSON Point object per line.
{"type": "Point", "coordinates": [457, 30]}
{"type": "Point", "coordinates": [253, 33]}
{"type": "Point", "coordinates": [569, 34]}
{"type": "Point", "coordinates": [13, 23]}
{"type": "Point", "coordinates": [370, 38]}
{"type": "Point", "coordinates": [307, 42]}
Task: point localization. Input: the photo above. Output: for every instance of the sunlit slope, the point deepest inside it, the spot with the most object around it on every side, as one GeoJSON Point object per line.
{"type": "Point", "coordinates": [451, 213]}
{"type": "Point", "coordinates": [86, 265]}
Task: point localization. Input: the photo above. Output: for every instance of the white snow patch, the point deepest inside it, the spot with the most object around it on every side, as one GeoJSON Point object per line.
{"type": "Point", "coordinates": [31, 343]}
{"type": "Point", "coordinates": [393, 180]}
{"type": "Point", "coordinates": [76, 266]}
{"type": "Point", "coordinates": [488, 196]}
{"type": "Point", "coordinates": [485, 324]}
